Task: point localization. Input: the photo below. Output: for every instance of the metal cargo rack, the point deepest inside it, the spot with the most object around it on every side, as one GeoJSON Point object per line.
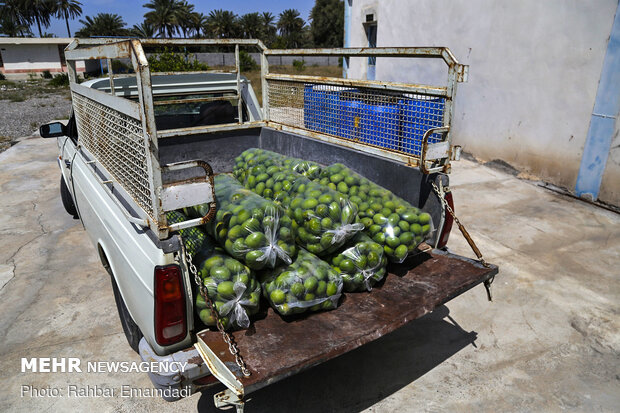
{"type": "Point", "coordinates": [117, 129]}
{"type": "Point", "coordinates": [406, 123]}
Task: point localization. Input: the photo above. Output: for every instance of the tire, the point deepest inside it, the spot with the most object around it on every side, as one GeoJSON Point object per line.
{"type": "Point", "coordinates": [67, 200]}
{"type": "Point", "coordinates": [130, 328]}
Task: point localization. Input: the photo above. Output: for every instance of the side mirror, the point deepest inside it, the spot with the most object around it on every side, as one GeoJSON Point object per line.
{"type": "Point", "coordinates": [53, 130]}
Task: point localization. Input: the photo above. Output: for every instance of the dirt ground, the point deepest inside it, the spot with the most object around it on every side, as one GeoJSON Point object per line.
{"type": "Point", "coordinates": [27, 104]}
{"type": "Point", "coordinates": [549, 341]}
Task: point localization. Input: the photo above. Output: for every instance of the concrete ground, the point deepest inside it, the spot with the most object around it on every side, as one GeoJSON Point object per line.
{"type": "Point", "coordinates": [549, 342]}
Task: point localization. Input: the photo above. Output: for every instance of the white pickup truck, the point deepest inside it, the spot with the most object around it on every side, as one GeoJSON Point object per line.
{"type": "Point", "coordinates": [140, 144]}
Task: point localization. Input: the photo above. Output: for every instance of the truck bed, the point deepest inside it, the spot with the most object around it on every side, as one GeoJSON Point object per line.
{"type": "Point", "coordinates": [275, 348]}
{"type": "Point", "coordinates": [220, 149]}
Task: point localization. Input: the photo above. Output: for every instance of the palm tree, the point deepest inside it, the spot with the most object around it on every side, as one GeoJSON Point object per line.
{"type": "Point", "coordinates": [250, 26]}
{"type": "Point", "coordinates": [269, 20]}
{"type": "Point", "coordinates": [66, 9]}
{"type": "Point", "coordinates": [39, 12]}
{"type": "Point", "coordinates": [222, 24]}
{"type": "Point", "coordinates": [184, 17]}
{"type": "Point", "coordinates": [13, 28]}
{"type": "Point", "coordinates": [291, 27]}
{"type": "Point", "coordinates": [164, 15]}
{"type": "Point", "coordinates": [269, 28]}
{"type": "Point", "coordinates": [143, 30]}
{"type": "Point", "coordinates": [197, 23]}
{"type": "Point", "coordinates": [103, 24]}
{"type": "Point", "coordinates": [14, 18]}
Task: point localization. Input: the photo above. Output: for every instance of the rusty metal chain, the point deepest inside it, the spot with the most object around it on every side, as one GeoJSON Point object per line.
{"type": "Point", "coordinates": [228, 338]}
{"type": "Point", "coordinates": [468, 238]}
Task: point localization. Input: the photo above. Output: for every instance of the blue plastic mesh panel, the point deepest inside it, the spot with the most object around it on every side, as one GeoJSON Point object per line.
{"type": "Point", "coordinates": [390, 120]}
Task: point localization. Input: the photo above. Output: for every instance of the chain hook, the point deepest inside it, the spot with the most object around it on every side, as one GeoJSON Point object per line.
{"type": "Point", "coordinates": [228, 338]}
{"type": "Point", "coordinates": [468, 238]}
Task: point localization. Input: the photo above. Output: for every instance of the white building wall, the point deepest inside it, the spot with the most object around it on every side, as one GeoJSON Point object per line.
{"type": "Point", "coordinates": [534, 72]}
{"type": "Point", "coordinates": [30, 57]}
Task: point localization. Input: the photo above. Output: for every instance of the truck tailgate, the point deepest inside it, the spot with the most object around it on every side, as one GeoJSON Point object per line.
{"type": "Point", "coordinates": [274, 349]}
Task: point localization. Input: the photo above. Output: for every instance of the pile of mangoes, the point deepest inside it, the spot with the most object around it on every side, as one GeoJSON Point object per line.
{"type": "Point", "coordinates": [252, 229]}
{"type": "Point", "coordinates": [231, 286]}
{"type": "Point", "coordinates": [277, 217]}
{"type": "Point", "coordinates": [323, 219]}
{"type": "Point", "coordinates": [361, 263]}
{"type": "Point", "coordinates": [308, 284]}
{"type": "Point", "coordinates": [194, 239]}
{"type": "Point", "coordinates": [256, 156]}
{"type": "Point", "coordinates": [389, 220]}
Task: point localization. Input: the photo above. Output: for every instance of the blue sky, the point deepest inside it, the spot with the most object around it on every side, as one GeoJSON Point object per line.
{"type": "Point", "coordinates": [132, 11]}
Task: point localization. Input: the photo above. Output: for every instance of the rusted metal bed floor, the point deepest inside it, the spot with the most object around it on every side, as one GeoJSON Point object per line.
{"type": "Point", "coordinates": [274, 348]}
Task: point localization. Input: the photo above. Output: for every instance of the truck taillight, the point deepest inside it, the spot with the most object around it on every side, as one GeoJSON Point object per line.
{"type": "Point", "coordinates": [170, 317]}
{"type": "Point", "coordinates": [447, 226]}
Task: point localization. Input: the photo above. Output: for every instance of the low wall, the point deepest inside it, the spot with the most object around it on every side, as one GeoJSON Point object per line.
{"type": "Point", "coordinates": [228, 59]}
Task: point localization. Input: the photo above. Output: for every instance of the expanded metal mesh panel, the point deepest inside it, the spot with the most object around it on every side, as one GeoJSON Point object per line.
{"type": "Point", "coordinates": [389, 120]}
{"type": "Point", "coordinates": [117, 142]}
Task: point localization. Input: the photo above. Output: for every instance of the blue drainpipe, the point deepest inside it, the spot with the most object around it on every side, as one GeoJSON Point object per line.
{"type": "Point", "coordinates": [348, 5]}
{"type": "Point", "coordinates": [603, 120]}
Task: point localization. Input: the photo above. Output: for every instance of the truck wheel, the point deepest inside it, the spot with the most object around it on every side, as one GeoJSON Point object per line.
{"type": "Point", "coordinates": [131, 329]}
{"type": "Point", "coordinates": [67, 200]}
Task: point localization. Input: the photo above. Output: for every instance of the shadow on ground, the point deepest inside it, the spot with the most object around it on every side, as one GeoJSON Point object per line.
{"type": "Point", "coordinates": [365, 376]}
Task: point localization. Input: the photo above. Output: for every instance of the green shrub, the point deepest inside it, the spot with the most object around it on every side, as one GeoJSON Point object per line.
{"type": "Point", "coordinates": [46, 74]}
{"type": "Point", "coordinates": [246, 62]}
{"type": "Point", "coordinates": [2, 77]}
{"type": "Point", "coordinates": [299, 65]}
{"type": "Point", "coordinates": [168, 61]}
{"type": "Point", "coordinates": [60, 80]}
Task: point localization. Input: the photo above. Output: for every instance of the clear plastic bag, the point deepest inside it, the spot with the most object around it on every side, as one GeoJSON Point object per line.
{"type": "Point", "coordinates": [255, 156]}
{"type": "Point", "coordinates": [231, 286]}
{"type": "Point", "coordinates": [308, 284]}
{"type": "Point", "coordinates": [323, 218]}
{"type": "Point", "coordinates": [194, 239]}
{"type": "Point", "coordinates": [361, 263]}
{"type": "Point", "coordinates": [251, 229]}
{"type": "Point", "coordinates": [309, 169]}
{"type": "Point", "coordinates": [389, 220]}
